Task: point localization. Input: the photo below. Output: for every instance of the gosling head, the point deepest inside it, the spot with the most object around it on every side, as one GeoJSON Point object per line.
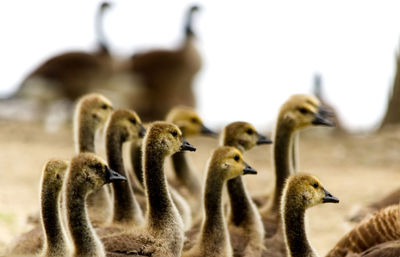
{"type": "Point", "coordinates": [166, 138]}
{"type": "Point", "coordinates": [53, 173]}
{"type": "Point", "coordinates": [128, 123]}
{"type": "Point", "coordinates": [306, 191]}
{"type": "Point", "coordinates": [243, 136]}
{"type": "Point", "coordinates": [90, 172]}
{"type": "Point", "coordinates": [302, 111]}
{"type": "Point", "coordinates": [188, 122]}
{"type": "Point", "coordinates": [228, 161]}
{"type": "Point", "coordinates": [95, 108]}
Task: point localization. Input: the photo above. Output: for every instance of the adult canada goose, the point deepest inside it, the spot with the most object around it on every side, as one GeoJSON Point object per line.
{"type": "Point", "coordinates": [87, 173]}
{"type": "Point", "coordinates": [297, 113]}
{"type": "Point", "coordinates": [122, 126]}
{"type": "Point", "coordinates": [381, 227]}
{"type": "Point", "coordinates": [168, 74]}
{"type": "Point", "coordinates": [244, 221]}
{"type": "Point", "coordinates": [301, 191]}
{"type": "Point", "coordinates": [72, 74]}
{"type": "Point", "coordinates": [50, 238]}
{"type": "Point", "coordinates": [162, 232]}
{"type": "Point", "coordinates": [225, 163]}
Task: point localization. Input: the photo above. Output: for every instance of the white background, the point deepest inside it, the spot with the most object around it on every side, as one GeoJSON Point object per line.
{"type": "Point", "coordinates": [256, 53]}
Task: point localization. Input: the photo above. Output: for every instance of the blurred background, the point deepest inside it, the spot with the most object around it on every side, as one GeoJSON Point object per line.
{"type": "Point", "coordinates": [254, 54]}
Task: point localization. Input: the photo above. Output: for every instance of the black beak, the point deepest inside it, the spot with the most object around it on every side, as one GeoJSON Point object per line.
{"type": "Point", "coordinates": [321, 118]}
{"type": "Point", "coordinates": [248, 170]}
{"type": "Point", "coordinates": [142, 131]}
{"type": "Point", "coordinates": [263, 140]}
{"type": "Point", "coordinates": [208, 132]}
{"type": "Point", "coordinates": [187, 147]}
{"type": "Point", "coordinates": [328, 198]}
{"type": "Point", "coordinates": [113, 176]}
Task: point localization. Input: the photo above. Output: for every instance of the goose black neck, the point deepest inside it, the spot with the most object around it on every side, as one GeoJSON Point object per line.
{"type": "Point", "coordinates": [189, 24]}
{"type": "Point", "coordinates": [55, 238]}
{"type": "Point", "coordinates": [126, 209]}
{"type": "Point", "coordinates": [294, 230]}
{"type": "Point", "coordinates": [160, 207]}
{"type": "Point", "coordinates": [282, 162]}
{"type": "Point", "coordinates": [213, 229]}
{"type": "Point", "coordinates": [184, 173]}
{"type": "Point", "coordinates": [99, 28]}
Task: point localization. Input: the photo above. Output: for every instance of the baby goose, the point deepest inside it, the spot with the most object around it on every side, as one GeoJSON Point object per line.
{"type": "Point", "coordinates": [297, 113]}
{"type": "Point", "coordinates": [190, 124]}
{"type": "Point", "coordinates": [86, 174]}
{"type": "Point", "coordinates": [381, 227]}
{"type": "Point", "coordinates": [55, 242]}
{"type": "Point", "coordinates": [123, 125]}
{"type": "Point", "coordinates": [301, 191]}
{"type": "Point", "coordinates": [91, 113]}
{"type": "Point", "coordinates": [244, 221]}
{"type": "Point", "coordinates": [225, 163]}
{"type": "Point", "coordinates": [162, 232]}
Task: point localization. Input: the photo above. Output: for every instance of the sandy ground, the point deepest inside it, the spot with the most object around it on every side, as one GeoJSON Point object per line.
{"type": "Point", "coordinates": [356, 169]}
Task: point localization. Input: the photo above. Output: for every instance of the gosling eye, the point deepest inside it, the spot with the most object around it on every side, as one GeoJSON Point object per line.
{"type": "Point", "coordinates": [250, 131]}
{"type": "Point", "coordinates": [236, 158]}
{"type": "Point", "coordinates": [132, 120]}
{"type": "Point", "coordinates": [315, 185]}
{"type": "Point", "coordinates": [96, 166]}
{"type": "Point", "coordinates": [104, 107]}
{"type": "Point", "coordinates": [303, 110]}
{"type": "Point", "coordinates": [174, 133]}
{"type": "Point", "coordinates": [194, 120]}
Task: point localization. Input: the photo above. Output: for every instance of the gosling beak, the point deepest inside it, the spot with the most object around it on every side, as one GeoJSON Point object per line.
{"type": "Point", "coordinates": [248, 170]}
{"type": "Point", "coordinates": [263, 140]}
{"type": "Point", "coordinates": [329, 198]}
{"type": "Point", "coordinates": [208, 132]}
{"type": "Point", "coordinates": [321, 118]}
{"type": "Point", "coordinates": [113, 176]}
{"type": "Point", "coordinates": [187, 147]}
{"type": "Point", "coordinates": [142, 131]}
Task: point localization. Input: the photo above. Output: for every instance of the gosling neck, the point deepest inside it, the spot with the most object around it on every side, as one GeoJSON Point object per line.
{"type": "Point", "coordinates": [126, 209]}
{"type": "Point", "coordinates": [214, 233]}
{"type": "Point", "coordinates": [161, 212]}
{"type": "Point", "coordinates": [294, 230]}
{"type": "Point", "coordinates": [242, 209]}
{"type": "Point", "coordinates": [184, 173]}
{"type": "Point", "coordinates": [85, 240]}
{"type": "Point", "coordinates": [136, 155]}
{"type": "Point", "coordinates": [282, 161]}
{"type": "Point", "coordinates": [85, 133]}
{"type": "Point", "coordinates": [55, 238]}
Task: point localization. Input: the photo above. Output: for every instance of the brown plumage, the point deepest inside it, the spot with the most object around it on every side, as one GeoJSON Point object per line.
{"type": "Point", "coordinates": [244, 222]}
{"type": "Point", "coordinates": [162, 232]}
{"type": "Point", "coordinates": [72, 74]}
{"type": "Point", "coordinates": [213, 240]}
{"type": "Point", "coordinates": [168, 74]}
{"type": "Point", "coordinates": [49, 239]}
{"type": "Point", "coordinates": [382, 227]}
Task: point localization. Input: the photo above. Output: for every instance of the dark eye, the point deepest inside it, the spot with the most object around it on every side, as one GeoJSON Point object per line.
{"type": "Point", "coordinates": [236, 158]}
{"type": "Point", "coordinates": [104, 107]}
{"type": "Point", "coordinates": [132, 120]}
{"type": "Point", "coordinates": [174, 133]}
{"type": "Point", "coordinates": [303, 110]}
{"type": "Point", "coordinates": [250, 131]}
{"type": "Point", "coordinates": [315, 185]}
{"type": "Point", "coordinates": [96, 166]}
{"type": "Point", "coordinates": [194, 120]}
